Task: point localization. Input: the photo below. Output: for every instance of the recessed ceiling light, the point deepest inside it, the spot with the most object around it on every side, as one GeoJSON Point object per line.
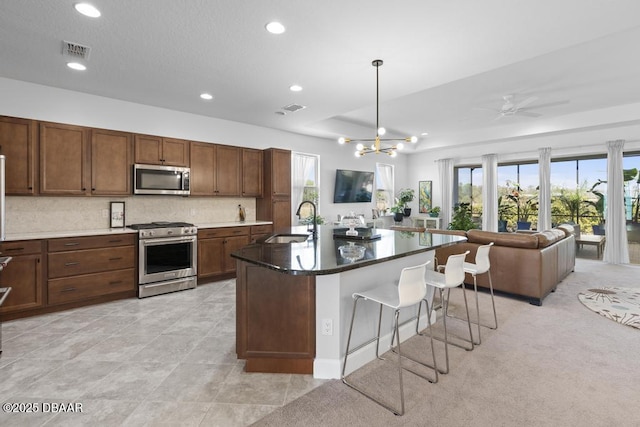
{"type": "Point", "coordinates": [206, 96]}
{"type": "Point", "coordinates": [295, 88]}
{"type": "Point", "coordinates": [87, 10]}
{"type": "Point", "coordinates": [275, 28]}
{"type": "Point", "coordinates": [424, 133]}
{"type": "Point", "coordinates": [76, 66]}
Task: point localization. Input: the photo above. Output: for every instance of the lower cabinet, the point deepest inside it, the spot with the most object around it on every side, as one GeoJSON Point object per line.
{"type": "Point", "coordinates": [89, 267]}
{"type": "Point", "coordinates": [214, 250]}
{"type": "Point", "coordinates": [260, 232]}
{"type": "Point", "coordinates": [23, 274]}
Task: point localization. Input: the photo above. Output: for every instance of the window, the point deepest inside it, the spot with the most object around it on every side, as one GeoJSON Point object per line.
{"type": "Point", "coordinates": [518, 194]}
{"type": "Point", "coordinates": [468, 188]}
{"type": "Point", "coordinates": [305, 184]}
{"type": "Point", "coordinates": [384, 186]}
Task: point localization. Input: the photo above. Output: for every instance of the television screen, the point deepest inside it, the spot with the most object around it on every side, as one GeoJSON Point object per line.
{"type": "Point", "coordinates": [353, 186]}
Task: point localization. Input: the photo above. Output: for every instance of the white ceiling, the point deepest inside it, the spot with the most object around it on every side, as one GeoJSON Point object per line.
{"type": "Point", "coordinates": [446, 63]}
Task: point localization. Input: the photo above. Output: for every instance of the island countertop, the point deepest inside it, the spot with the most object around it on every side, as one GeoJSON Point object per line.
{"type": "Point", "coordinates": [322, 255]}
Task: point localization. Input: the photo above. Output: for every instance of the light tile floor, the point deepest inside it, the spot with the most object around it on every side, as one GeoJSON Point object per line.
{"type": "Point", "coordinates": [165, 360]}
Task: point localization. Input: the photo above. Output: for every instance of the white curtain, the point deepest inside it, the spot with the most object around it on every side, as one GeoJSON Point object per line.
{"type": "Point", "coordinates": [384, 181]}
{"type": "Point", "coordinates": [544, 198]}
{"type": "Point", "coordinates": [616, 249]}
{"type": "Point", "coordinates": [302, 167]}
{"type": "Point", "coordinates": [490, 192]}
{"type": "Point", "coordinates": [445, 171]}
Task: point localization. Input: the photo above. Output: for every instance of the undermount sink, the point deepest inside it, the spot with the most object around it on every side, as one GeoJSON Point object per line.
{"type": "Point", "coordinates": [287, 238]}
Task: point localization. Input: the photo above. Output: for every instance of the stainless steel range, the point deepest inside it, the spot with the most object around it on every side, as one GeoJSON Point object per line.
{"type": "Point", "coordinates": [167, 257]}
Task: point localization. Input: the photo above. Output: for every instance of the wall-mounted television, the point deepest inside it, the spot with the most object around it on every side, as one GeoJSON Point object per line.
{"type": "Point", "coordinates": [353, 186]}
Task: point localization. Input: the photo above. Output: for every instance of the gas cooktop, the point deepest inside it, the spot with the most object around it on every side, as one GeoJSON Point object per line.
{"type": "Point", "coordinates": [159, 224]}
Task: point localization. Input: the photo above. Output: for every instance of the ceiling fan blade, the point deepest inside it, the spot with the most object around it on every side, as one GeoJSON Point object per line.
{"type": "Point", "coordinates": [550, 104]}
{"type": "Point", "coordinates": [527, 114]}
{"type": "Point", "coordinates": [526, 102]}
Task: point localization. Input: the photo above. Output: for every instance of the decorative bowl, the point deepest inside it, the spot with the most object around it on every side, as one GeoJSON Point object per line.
{"type": "Point", "coordinates": [352, 253]}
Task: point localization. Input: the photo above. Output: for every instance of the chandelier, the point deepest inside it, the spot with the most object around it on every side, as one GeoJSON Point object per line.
{"type": "Point", "coordinates": [374, 145]}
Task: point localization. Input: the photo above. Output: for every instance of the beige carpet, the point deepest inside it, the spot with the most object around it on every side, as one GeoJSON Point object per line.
{"type": "Point", "coordinates": [621, 305]}
{"type": "Point", "coordinates": [554, 365]}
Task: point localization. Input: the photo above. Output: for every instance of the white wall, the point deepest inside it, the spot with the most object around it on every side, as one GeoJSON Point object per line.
{"type": "Point", "coordinates": [28, 100]}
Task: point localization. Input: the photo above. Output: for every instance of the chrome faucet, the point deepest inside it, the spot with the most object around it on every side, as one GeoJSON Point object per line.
{"type": "Point", "coordinates": [315, 226]}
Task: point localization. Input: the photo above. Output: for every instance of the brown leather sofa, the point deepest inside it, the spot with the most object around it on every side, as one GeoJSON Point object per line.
{"type": "Point", "coordinates": [526, 265]}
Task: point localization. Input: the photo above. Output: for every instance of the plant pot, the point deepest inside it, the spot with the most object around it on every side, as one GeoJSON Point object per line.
{"type": "Point", "coordinates": [407, 211]}
{"type": "Point", "coordinates": [502, 225]}
{"type": "Point", "coordinates": [524, 225]}
{"type": "Point", "coordinates": [433, 214]}
{"type": "Point", "coordinates": [397, 216]}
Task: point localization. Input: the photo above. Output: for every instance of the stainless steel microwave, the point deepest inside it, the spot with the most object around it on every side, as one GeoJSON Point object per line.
{"type": "Point", "coordinates": [156, 179]}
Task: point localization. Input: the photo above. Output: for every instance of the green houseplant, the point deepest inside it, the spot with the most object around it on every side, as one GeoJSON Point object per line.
{"type": "Point", "coordinates": [405, 195]}
{"type": "Point", "coordinates": [434, 212]}
{"type": "Point", "coordinates": [462, 219]}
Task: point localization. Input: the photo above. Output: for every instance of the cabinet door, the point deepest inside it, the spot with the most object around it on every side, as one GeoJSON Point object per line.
{"type": "Point", "coordinates": [251, 173]}
{"type": "Point", "coordinates": [17, 143]}
{"type": "Point", "coordinates": [24, 275]}
{"type": "Point", "coordinates": [281, 172]}
{"type": "Point", "coordinates": [230, 245]}
{"type": "Point", "coordinates": [64, 159]}
{"type": "Point", "coordinates": [111, 160]}
{"type": "Point", "coordinates": [202, 179]}
{"type": "Point", "coordinates": [148, 149]}
{"type": "Point", "coordinates": [281, 214]}
{"type": "Point", "coordinates": [228, 164]}
{"type": "Point", "coordinates": [210, 257]}
{"type": "Point", "coordinates": [175, 152]}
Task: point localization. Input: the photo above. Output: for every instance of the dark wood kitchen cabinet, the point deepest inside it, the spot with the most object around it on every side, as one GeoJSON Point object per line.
{"type": "Point", "coordinates": [18, 142]}
{"type": "Point", "coordinates": [84, 268]}
{"type": "Point", "coordinates": [215, 169]}
{"type": "Point", "coordinates": [214, 250]}
{"type": "Point", "coordinates": [23, 274]}
{"type": "Point", "coordinates": [111, 162]}
{"type": "Point", "coordinates": [275, 205]}
{"type": "Point", "coordinates": [252, 172]}
{"type": "Point", "coordinates": [64, 160]}
{"type": "Point", "coordinates": [156, 150]}
{"type": "Point", "coordinates": [260, 231]}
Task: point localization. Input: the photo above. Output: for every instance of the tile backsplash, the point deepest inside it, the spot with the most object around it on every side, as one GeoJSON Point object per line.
{"type": "Point", "coordinates": [43, 214]}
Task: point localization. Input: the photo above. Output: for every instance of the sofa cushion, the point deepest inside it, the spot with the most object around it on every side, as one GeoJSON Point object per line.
{"type": "Point", "coordinates": [549, 237]}
{"type": "Point", "coordinates": [514, 240]}
{"type": "Point", "coordinates": [568, 229]}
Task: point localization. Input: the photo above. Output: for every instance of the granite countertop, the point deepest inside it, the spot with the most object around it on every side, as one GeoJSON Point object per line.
{"type": "Point", "coordinates": [322, 256]}
{"type": "Point", "coordinates": [108, 231]}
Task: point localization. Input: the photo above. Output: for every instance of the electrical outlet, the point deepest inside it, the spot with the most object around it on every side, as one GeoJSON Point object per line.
{"type": "Point", "coordinates": [327, 327]}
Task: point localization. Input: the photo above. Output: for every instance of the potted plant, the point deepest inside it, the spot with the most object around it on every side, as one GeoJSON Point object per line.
{"type": "Point", "coordinates": [398, 212]}
{"type": "Point", "coordinates": [462, 219]}
{"type": "Point", "coordinates": [434, 212]}
{"type": "Point", "coordinates": [505, 210]}
{"type": "Point", "coordinates": [526, 205]}
{"type": "Point", "coordinates": [405, 196]}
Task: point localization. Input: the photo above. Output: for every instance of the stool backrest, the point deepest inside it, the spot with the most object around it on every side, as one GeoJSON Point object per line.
{"type": "Point", "coordinates": [454, 270]}
{"type": "Point", "coordinates": [482, 258]}
{"type": "Point", "coordinates": [412, 286]}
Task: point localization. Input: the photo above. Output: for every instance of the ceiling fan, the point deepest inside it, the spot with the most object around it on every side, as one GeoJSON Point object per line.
{"type": "Point", "coordinates": [512, 107]}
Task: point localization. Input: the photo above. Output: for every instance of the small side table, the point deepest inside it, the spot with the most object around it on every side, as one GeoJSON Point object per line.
{"type": "Point", "coordinates": [426, 221]}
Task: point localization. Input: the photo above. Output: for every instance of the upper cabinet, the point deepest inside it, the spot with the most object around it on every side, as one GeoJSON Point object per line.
{"type": "Point", "coordinates": [18, 142]}
{"type": "Point", "coordinates": [64, 159]}
{"type": "Point", "coordinates": [111, 162]}
{"type": "Point", "coordinates": [252, 170]}
{"type": "Point", "coordinates": [155, 150]}
{"type": "Point", "coordinates": [278, 172]}
{"type": "Point", "coordinates": [215, 169]}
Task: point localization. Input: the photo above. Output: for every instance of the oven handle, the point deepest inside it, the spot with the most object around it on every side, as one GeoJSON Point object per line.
{"type": "Point", "coordinates": [165, 240]}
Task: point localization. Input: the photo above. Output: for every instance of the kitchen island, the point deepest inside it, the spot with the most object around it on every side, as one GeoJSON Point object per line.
{"type": "Point", "coordinates": [293, 300]}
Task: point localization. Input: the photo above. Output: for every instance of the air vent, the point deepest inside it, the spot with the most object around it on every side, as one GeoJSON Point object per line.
{"type": "Point", "coordinates": [292, 108]}
{"type": "Point", "coordinates": [75, 50]}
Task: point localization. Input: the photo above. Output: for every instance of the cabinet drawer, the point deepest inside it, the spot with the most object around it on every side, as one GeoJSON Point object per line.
{"type": "Point", "coordinates": [91, 242]}
{"type": "Point", "coordinates": [63, 264]}
{"type": "Point", "coordinates": [261, 229]}
{"type": "Point", "coordinates": [21, 247]}
{"type": "Point", "coordinates": [210, 233]}
{"type": "Point", "coordinates": [91, 285]}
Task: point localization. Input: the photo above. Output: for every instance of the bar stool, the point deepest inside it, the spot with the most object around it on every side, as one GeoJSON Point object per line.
{"type": "Point", "coordinates": [452, 277]}
{"type": "Point", "coordinates": [410, 290]}
{"type": "Point", "coordinates": [482, 266]}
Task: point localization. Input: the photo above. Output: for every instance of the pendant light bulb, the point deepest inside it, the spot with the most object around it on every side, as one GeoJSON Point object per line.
{"type": "Point", "coordinates": [381, 130]}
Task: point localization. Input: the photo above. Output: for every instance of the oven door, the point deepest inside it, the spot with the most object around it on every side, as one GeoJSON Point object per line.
{"type": "Point", "coordinates": [167, 258]}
